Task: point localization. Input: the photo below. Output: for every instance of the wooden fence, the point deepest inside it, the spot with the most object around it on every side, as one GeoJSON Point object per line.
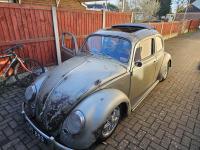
{"type": "Point", "coordinates": [33, 27]}
{"type": "Point", "coordinates": [171, 29]}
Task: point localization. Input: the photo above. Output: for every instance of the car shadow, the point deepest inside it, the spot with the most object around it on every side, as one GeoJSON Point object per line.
{"type": "Point", "coordinates": [198, 67]}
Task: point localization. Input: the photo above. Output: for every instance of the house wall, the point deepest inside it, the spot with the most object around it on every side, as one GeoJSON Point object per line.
{"type": "Point", "coordinates": [7, 1]}
{"type": "Point", "coordinates": [180, 16]}
{"type": "Point", "coordinates": [71, 4]}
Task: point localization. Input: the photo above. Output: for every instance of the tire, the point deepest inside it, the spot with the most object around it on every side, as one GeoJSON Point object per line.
{"type": "Point", "coordinates": [165, 73]}
{"type": "Point", "coordinates": [25, 78]}
{"type": "Point", "coordinates": [110, 125]}
{"type": "Point", "coordinates": [2, 83]}
{"type": "Point", "coordinates": [7, 81]}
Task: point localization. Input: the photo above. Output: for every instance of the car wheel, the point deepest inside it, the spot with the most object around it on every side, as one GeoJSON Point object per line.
{"type": "Point", "coordinates": [165, 72]}
{"type": "Point", "coordinates": [111, 123]}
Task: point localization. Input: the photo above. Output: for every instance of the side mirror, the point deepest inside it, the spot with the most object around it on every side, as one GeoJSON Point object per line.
{"type": "Point", "coordinates": [138, 63]}
{"type": "Point", "coordinates": [137, 58]}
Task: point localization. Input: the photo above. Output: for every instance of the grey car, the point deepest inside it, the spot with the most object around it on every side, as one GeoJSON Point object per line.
{"type": "Point", "coordinates": [83, 100]}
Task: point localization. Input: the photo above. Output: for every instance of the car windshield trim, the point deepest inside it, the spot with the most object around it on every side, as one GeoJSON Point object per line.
{"type": "Point", "coordinates": [87, 51]}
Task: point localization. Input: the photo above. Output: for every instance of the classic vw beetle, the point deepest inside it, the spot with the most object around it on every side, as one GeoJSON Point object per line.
{"type": "Point", "coordinates": [83, 100]}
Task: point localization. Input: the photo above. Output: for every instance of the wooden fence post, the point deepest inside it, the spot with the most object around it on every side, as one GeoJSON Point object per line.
{"type": "Point", "coordinates": [162, 28]}
{"type": "Point", "coordinates": [56, 34]}
{"type": "Point", "coordinates": [103, 18]}
{"type": "Point", "coordinates": [189, 25]}
{"type": "Point", "coordinates": [171, 29]}
{"type": "Point", "coordinates": [183, 27]}
{"type": "Point", "coordinates": [132, 17]}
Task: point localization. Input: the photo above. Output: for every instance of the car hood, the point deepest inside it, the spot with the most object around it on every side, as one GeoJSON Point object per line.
{"type": "Point", "coordinates": [67, 84]}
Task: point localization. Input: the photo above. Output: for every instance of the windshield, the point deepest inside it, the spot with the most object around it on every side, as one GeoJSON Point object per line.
{"type": "Point", "coordinates": [112, 47]}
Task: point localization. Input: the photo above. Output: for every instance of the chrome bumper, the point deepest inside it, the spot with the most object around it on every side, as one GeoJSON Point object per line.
{"type": "Point", "coordinates": [51, 140]}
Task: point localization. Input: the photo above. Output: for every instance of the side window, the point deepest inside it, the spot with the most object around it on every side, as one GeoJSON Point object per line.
{"type": "Point", "coordinates": [159, 43]}
{"type": "Point", "coordinates": [137, 54]}
{"type": "Point", "coordinates": [147, 48]}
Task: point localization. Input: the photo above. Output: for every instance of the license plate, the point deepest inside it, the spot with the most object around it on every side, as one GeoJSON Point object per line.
{"type": "Point", "coordinates": [37, 134]}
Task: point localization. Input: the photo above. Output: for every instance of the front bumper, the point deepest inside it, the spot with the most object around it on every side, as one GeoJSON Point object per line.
{"type": "Point", "coordinates": [51, 140]}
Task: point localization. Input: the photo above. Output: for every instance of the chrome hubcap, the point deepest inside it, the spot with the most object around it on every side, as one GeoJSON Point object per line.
{"type": "Point", "coordinates": [111, 122]}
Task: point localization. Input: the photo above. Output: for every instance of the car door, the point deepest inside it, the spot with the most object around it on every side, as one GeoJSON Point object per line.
{"type": "Point", "coordinates": [143, 76]}
{"type": "Point", "coordinates": [69, 46]}
{"type": "Point", "coordinates": [159, 53]}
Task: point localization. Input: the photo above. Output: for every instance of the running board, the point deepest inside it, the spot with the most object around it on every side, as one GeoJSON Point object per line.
{"type": "Point", "coordinates": [144, 96]}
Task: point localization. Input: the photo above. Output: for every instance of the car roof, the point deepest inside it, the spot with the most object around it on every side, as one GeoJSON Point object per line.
{"type": "Point", "coordinates": [132, 31]}
{"type": "Point", "coordinates": [135, 25]}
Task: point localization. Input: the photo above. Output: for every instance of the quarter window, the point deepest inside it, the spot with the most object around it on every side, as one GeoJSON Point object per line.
{"type": "Point", "coordinates": [147, 48]}
{"type": "Point", "coordinates": [159, 44]}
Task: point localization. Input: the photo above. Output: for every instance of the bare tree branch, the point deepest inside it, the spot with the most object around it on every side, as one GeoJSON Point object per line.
{"type": "Point", "coordinates": [149, 7]}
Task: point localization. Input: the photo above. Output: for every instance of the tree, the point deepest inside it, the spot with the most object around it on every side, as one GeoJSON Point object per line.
{"type": "Point", "coordinates": [183, 4]}
{"type": "Point", "coordinates": [149, 7]}
{"type": "Point", "coordinates": [112, 7]}
{"type": "Point", "coordinates": [126, 5]}
{"type": "Point", "coordinates": [165, 7]}
{"type": "Point", "coordinates": [180, 5]}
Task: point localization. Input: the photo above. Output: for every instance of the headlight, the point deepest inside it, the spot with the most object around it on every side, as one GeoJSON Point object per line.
{"type": "Point", "coordinates": [30, 93]}
{"type": "Point", "coordinates": [75, 122]}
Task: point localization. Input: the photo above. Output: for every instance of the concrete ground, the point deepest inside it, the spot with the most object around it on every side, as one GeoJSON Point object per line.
{"type": "Point", "coordinates": [169, 118]}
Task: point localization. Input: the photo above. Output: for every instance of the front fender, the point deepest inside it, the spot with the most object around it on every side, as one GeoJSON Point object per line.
{"type": "Point", "coordinates": [96, 109]}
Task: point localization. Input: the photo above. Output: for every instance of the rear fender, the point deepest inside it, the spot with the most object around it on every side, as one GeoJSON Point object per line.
{"type": "Point", "coordinates": [167, 59]}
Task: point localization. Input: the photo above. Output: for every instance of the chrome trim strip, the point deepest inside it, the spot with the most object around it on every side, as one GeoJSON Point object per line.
{"type": "Point", "coordinates": [51, 140]}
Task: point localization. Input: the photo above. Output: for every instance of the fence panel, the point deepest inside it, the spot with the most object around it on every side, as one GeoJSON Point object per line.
{"type": "Point", "coordinates": [157, 26]}
{"type": "Point", "coordinates": [188, 24]}
{"type": "Point", "coordinates": [31, 26]}
{"type": "Point", "coordinates": [194, 24]}
{"type": "Point", "coordinates": [80, 23]}
{"type": "Point", "coordinates": [117, 18]}
{"type": "Point", "coordinates": [167, 26]}
{"type": "Point", "coordinates": [175, 27]}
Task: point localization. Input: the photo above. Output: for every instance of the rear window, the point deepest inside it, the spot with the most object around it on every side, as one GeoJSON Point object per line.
{"type": "Point", "coordinates": [159, 44]}
{"type": "Point", "coordinates": [147, 48]}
